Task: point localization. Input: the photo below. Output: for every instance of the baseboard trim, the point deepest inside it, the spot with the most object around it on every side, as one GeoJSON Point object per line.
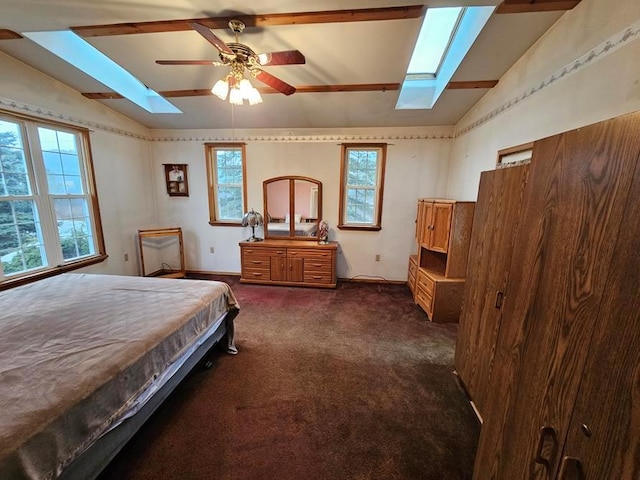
{"type": "Point", "coordinates": [378, 280]}
{"type": "Point", "coordinates": [205, 273]}
{"type": "Point", "coordinates": [375, 280]}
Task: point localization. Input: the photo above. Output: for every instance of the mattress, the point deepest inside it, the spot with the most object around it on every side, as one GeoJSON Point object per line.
{"type": "Point", "coordinates": [78, 350]}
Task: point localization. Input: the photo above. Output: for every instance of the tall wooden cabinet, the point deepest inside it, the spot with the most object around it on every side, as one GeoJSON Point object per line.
{"type": "Point", "coordinates": [495, 221]}
{"type": "Point", "coordinates": [436, 273]}
{"type": "Point", "coordinates": [562, 401]}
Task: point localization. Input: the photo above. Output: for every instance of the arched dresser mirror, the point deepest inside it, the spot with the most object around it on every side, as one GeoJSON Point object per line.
{"type": "Point", "coordinates": [293, 207]}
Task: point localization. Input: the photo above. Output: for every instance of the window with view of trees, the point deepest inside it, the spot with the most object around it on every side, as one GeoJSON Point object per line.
{"type": "Point", "coordinates": [227, 185]}
{"type": "Point", "coordinates": [46, 207]}
{"type": "Point", "coordinates": [361, 186]}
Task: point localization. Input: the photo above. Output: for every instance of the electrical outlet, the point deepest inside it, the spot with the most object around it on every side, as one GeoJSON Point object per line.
{"type": "Point", "coordinates": [126, 257]}
{"type": "Point", "coordinates": [377, 257]}
{"type": "Point", "coordinates": [212, 250]}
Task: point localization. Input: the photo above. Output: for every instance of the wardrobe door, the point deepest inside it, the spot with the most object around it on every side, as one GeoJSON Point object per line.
{"type": "Point", "coordinates": [495, 222]}
{"type": "Point", "coordinates": [604, 437]}
{"type": "Point", "coordinates": [572, 212]}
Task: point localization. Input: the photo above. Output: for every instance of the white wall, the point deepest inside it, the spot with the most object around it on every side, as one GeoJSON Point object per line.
{"type": "Point", "coordinates": [585, 69]}
{"type": "Point", "coordinates": [121, 156]}
{"type": "Point", "coordinates": [416, 166]}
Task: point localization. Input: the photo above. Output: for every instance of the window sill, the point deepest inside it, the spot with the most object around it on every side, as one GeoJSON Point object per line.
{"type": "Point", "coordinates": [367, 228]}
{"type": "Point", "coordinates": [50, 272]}
{"type": "Point", "coordinates": [225, 224]}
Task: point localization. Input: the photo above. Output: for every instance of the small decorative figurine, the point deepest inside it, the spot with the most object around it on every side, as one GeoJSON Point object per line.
{"type": "Point", "coordinates": [323, 233]}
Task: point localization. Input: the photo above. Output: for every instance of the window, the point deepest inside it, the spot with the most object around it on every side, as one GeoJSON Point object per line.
{"type": "Point", "coordinates": [227, 184]}
{"type": "Point", "coordinates": [361, 185]}
{"type": "Point", "coordinates": [47, 218]}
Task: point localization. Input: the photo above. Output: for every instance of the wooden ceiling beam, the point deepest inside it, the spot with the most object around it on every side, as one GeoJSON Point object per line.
{"type": "Point", "coordinates": [472, 84]}
{"type": "Point", "coordinates": [528, 6]}
{"type": "Point", "coordinates": [357, 87]}
{"type": "Point", "coordinates": [270, 19]}
{"type": "Point", "coordinates": [8, 34]}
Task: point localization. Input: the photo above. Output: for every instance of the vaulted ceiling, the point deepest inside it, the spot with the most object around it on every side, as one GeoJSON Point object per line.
{"type": "Point", "coordinates": [356, 51]}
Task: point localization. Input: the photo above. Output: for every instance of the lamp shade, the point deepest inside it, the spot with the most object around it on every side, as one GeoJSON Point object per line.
{"type": "Point", "coordinates": [252, 219]}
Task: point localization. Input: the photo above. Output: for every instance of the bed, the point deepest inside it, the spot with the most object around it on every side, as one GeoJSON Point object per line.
{"type": "Point", "coordinates": [86, 359]}
{"type": "Point", "coordinates": [301, 229]}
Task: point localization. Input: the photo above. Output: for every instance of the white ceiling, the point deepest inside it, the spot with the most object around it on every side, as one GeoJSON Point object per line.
{"type": "Point", "coordinates": [336, 54]}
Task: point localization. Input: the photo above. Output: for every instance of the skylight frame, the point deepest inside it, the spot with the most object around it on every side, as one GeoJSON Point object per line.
{"type": "Point", "coordinates": [422, 46]}
{"type": "Point", "coordinates": [79, 53]}
{"type": "Point", "coordinates": [420, 91]}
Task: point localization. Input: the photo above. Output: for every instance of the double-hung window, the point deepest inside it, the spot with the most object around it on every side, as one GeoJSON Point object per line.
{"type": "Point", "coordinates": [361, 186]}
{"type": "Point", "coordinates": [48, 207]}
{"type": "Point", "coordinates": [227, 183]}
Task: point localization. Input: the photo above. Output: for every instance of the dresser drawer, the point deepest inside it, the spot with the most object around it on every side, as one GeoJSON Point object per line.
{"type": "Point", "coordinates": [317, 277]}
{"type": "Point", "coordinates": [256, 274]}
{"type": "Point", "coordinates": [424, 300]}
{"type": "Point", "coordinates": [317, 265]}
{"type": "Point", "coordinates": [425, 282]}
{"type": "Point", "coordinates": [312, 254]}
{"type": "Point", "coordinates": [256, 262]}
{"type": "Point", "coordinates": [264, 252]}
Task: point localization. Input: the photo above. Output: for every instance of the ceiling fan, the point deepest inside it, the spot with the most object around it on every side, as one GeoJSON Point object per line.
{"type": "Point", "coordinates": [239, 58]}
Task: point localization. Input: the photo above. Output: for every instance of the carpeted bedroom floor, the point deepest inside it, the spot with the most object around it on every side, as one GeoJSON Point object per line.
{"type": "Point", "coordinates": [351, 383]}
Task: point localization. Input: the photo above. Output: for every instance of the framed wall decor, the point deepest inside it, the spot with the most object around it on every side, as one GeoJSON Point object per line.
{"type": "Point", "coordinates": [175, 175]}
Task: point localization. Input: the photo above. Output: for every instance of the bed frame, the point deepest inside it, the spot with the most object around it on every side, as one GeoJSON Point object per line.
{"type": "Point", "coordinates": [91, 463]}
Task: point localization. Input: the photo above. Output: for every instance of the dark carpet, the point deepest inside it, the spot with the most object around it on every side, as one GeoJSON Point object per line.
{"type": "Point", "coordinates": [351, 383]}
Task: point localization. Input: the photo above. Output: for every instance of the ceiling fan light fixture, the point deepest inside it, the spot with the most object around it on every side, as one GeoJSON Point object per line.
{"type": "Point", "coordinates": [221, 89]}
{"type": "Point", "coordinates": [255, 97]}
{"type": "Point", "coordinates": [245, 88]}
{"type": "Point", "coordinates": [235, 96]}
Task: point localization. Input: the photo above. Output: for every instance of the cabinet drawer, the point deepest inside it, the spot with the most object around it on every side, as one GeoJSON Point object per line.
{"type": "Point", "coordinates": [256, 273]}
{"type": "Point", "coordinates": [317, 277]}
{"type": "Point", "coordinates": [425, 282]}
{"type": "Point", "coordinates": [264, 252]}
{"type": "Point", "coordinates": [425, 301]}
{"type": "Point", "coordinates": [308, 253]}
{"type": "Point", "coordinates": [317, 265]}
{"type": "Point", "coordinates": [256, 262]}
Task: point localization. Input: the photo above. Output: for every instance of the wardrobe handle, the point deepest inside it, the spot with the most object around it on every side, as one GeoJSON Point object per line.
{"type": "Point", "coordinates": [499, 298]}
{"type": "Point", "coordinates": [571, 469]}
{"type": "Point", "coordinates": [545, 432]}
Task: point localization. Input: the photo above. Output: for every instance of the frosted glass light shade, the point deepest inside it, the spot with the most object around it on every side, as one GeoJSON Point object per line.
{"type": "Point", "coordinates": [221, 89]}
{"type": "Point", "coordinates": [254, 97]}
{"type": "Point", "coordinates": [245, 88]}
{"type": "Point", "coordinates": [235, 96]}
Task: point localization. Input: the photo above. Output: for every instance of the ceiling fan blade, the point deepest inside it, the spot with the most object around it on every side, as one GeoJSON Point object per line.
{"type": "Point", "coordinates": [215, 63]}
{"type": "Point", "coordinates": [273, 82]}
{"type": "Point", "coordinates": [286, 57]}
{"type": "Point", "coordinates": [212, 38]}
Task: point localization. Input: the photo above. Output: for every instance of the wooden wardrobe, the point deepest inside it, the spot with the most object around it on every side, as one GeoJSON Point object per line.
{"type": "Point", "coordinates": [549, 337]}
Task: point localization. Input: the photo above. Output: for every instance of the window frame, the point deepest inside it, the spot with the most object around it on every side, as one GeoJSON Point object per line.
{"type": "Point", "coordinates": [212, 181]}
{"type": "Point", "coordinates": [376, 225]}
{"type": "Point", "coordinates": [44, 201]}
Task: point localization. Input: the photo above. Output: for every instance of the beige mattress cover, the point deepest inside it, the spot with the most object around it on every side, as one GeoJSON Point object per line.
{"type": "Point", "coordinates": [77, 349]}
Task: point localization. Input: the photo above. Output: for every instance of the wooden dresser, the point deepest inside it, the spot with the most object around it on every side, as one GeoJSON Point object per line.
{"type": "Point", "coordinates": [289, 262]}
{"type": "Point", "coordinates": [436, 273]}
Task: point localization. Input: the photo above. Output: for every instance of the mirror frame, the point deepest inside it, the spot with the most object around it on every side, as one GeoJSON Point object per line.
{"type": "Point", "coordinates": [292, 207]}
{"type": "Point", "coordinates": [162, 233]}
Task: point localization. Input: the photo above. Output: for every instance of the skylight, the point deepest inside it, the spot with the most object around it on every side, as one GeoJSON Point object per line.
{"type": "Point", "coordinates": [75, 50]}
{"type": "Point", "coordinates": [434, 39]}
{"type": "Point", "coordinates": [445, 38]}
